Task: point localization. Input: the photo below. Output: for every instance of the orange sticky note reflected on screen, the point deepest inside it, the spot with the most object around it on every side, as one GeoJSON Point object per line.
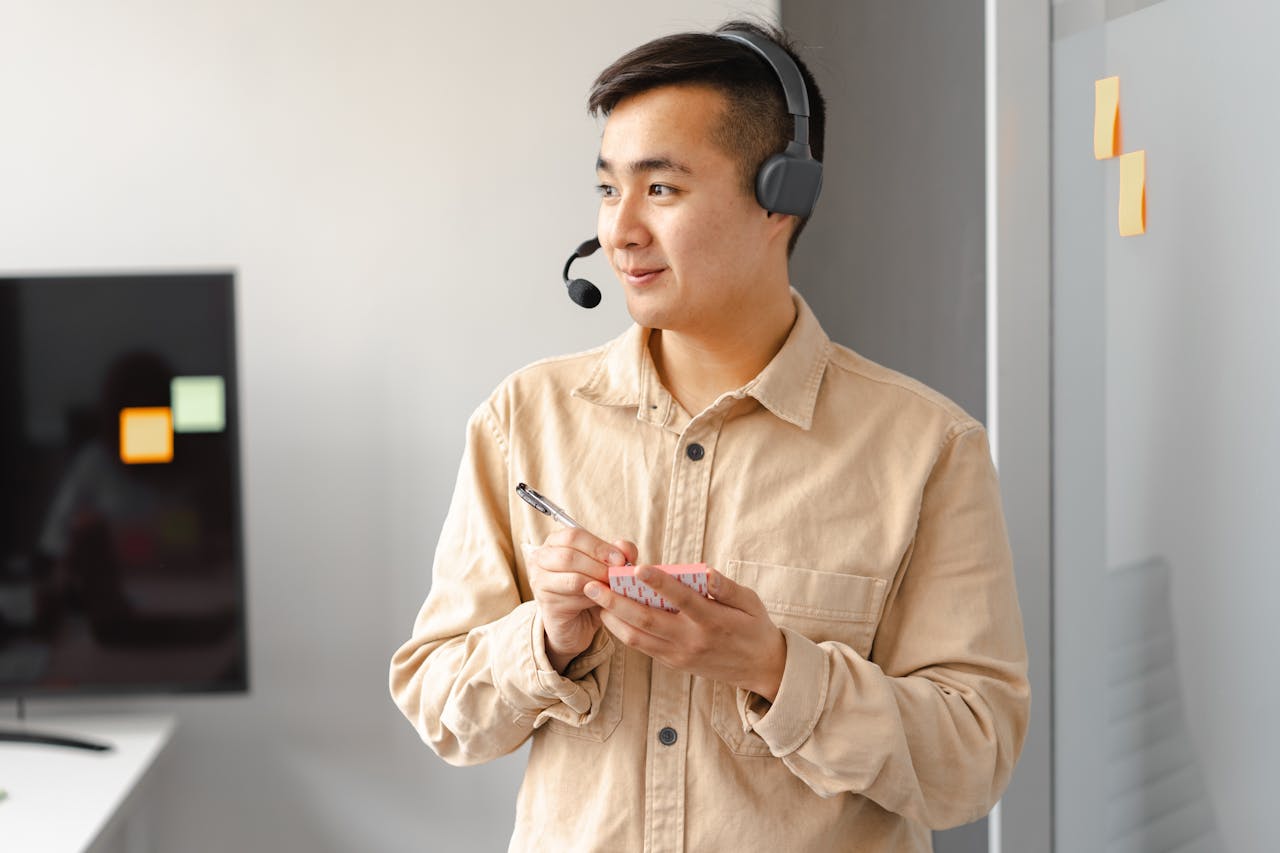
{"type": "Point", "coordinates": [146, 435]}
{"type": "Point", "coordinates": [1133, 193]}
{"type": "Point", "coordinates": [1106, 118]}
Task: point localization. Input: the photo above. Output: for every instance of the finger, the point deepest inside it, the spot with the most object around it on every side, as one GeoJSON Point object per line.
{"type": "Point", "coordinates": [676, 593]}
{"type": "Point", "coordinates": [636, 638]}
{"type": "Point", "coordinates": [733, 594]}
{"type": "Point", "coordinates": [561, 583]}
{"type": "Point", "coordinates": [586, 543]}
{"type": "Point", "coordinates": [564, 605]}
{"type": "Point", "coordinates": [562, 558]}
{"type": "Point", "coordinates": [650, 620]}
{"type": "Point", "coordinates": [628, 549]}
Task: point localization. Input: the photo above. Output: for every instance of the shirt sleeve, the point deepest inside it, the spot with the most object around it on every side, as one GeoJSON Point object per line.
{"type": "Point", "coordinates": [474, 679]}
{"type": "Point", "coordinates": [930, 726]}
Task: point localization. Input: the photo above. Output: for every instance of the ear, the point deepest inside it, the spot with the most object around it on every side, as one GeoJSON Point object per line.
{"type": "Point", "coordinates": [781, 225]}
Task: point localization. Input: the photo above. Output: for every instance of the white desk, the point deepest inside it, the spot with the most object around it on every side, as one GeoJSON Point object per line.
{"type": "Point", "coordinates": [72, 800]}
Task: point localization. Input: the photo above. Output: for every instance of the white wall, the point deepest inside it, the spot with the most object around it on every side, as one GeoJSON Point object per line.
{"type": "Point", "coordinates": [398, 185]}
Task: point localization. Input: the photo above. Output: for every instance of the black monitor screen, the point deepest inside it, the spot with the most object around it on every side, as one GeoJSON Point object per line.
{"type": "Point", "coordinates": [120, 534]}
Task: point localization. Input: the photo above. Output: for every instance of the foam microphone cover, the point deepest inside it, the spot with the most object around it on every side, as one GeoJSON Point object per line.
{"type": "Point", "coordinates": [584, 293]}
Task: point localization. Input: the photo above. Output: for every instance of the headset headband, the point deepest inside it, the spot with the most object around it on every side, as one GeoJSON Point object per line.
{"type": "Point", "coordinates": [788, 73]}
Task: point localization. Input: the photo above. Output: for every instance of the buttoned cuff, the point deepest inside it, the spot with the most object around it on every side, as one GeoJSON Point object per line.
{"type": "Point", "coordinates": [787, 723]}
{"type": "Point", "coordinates": [527, 681]}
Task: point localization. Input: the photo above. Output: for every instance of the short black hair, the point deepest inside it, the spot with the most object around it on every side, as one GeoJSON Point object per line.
{"type": "Point", "coordinates": [755, 125]}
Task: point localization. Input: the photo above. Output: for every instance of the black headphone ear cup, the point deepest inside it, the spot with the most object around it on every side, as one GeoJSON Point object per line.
{"type": "Point", "coordinates": [769, 181]}
{"type": "Point", "coordinates": [789, 184]}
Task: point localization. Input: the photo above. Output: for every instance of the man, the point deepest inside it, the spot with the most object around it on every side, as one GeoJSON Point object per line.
{"type": "Point", "coordinates": [858, 675]}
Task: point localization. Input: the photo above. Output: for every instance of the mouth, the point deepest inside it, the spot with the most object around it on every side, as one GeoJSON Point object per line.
{"type": "Point", "coordinates": [640, 276]}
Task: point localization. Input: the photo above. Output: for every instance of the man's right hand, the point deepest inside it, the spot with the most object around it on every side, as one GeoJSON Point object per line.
{"type": "Point", "coordinates": [568, 560]}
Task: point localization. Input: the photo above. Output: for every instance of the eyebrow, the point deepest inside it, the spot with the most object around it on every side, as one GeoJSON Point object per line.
{"type": "Point", "coordinates": [648, 164]}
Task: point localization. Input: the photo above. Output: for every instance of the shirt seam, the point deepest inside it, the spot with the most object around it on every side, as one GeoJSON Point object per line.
{"type": "Point", "coordinates": [954, 433]}
{"type": "Point", "coordinates": [962, 419]}
{"type": "Point", "coordinates": [491, 421]}
{"type": "Point", "coordinates": [958, 431]}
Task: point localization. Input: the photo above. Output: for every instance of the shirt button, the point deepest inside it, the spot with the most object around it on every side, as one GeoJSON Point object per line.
{"type": "Point", "coordinates": [695, 452]}
{"type": "Point", "coordinates": [667, 735]}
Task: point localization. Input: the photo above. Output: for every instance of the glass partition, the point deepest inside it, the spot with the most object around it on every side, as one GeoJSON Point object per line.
{"type": "Point", "coordinates": [1166, 402]}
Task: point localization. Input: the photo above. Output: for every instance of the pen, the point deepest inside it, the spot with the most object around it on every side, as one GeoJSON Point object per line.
{"type": "Point", "coordinates": [546, 507]}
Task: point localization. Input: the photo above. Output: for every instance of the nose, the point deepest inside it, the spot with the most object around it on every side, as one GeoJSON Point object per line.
{"type": "Point", "coordinates": [622, 224]}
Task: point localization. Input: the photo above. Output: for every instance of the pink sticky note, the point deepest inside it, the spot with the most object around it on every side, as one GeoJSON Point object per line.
{"type": "Point", "coordinates": [622, 580]}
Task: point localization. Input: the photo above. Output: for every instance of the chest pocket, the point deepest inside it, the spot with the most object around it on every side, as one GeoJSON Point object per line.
{"type": "Point", "coordinates": [823, 606]}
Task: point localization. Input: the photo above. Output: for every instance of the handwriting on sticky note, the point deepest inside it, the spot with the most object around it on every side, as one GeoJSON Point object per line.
{"type": "Point", "coordinates": [622, 580]}
{"type": "Point", "coordinates": [1133, 193]}
{"type": "Point", "coordinates": [1106, 118]}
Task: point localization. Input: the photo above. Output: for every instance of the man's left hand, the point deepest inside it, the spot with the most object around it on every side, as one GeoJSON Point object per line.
{"type": "Point", "coordinates": [728, 638]}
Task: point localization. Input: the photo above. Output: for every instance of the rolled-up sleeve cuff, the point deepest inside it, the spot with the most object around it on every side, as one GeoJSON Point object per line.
{"type": "Point", "coordinates": [527, 681]}
{"type": "Point", "coordinates": [787, 723]}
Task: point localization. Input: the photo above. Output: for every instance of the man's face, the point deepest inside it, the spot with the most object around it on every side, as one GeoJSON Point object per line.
{"type": "Point", "coordinates": [686, 240]}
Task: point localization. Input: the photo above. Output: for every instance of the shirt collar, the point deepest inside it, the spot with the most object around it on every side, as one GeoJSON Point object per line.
{"type": "Point", "coordinates": [624, 374]}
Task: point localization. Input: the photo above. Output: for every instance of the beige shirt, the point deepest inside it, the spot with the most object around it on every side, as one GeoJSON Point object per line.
{"type": "Point", "coordinates": [862, 508]}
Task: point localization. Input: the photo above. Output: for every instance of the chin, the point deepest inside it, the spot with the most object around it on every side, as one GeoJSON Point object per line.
{"type": "Point", "coordinates": [650, 313]}
{"type": "Point", "coordinates": [661, 305]}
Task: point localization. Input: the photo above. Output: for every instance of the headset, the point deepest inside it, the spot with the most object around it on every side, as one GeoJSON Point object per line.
{"type": "Point", "coordinates": [788, 182]}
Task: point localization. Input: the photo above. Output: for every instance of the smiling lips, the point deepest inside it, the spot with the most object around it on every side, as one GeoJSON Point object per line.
{"type": "Point", "coordinates": [641, 275]}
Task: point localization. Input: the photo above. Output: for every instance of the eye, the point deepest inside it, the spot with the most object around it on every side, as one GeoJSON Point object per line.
{"type": "Point", "coordinates": [661, 190]}
{"type": "Point", "coordinates": [606, 191]}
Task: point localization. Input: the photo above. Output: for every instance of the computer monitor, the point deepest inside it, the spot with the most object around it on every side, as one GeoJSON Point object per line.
{"type": "Point", "coordinates": [121, 554]}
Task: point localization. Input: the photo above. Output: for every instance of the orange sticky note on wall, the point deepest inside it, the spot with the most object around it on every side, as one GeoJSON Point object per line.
{"type": "Point", "coordinates": [1106, 118]}
{"type": "Point", "coordinates": [146, 435]}
{"type": "Point", "coordinates": [1133, 193]}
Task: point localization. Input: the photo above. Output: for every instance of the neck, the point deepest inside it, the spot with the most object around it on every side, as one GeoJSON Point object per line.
{"type": "Point", "coordinates": [698, 366]}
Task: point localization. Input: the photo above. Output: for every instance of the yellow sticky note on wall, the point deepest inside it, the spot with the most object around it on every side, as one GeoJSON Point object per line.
{"type": "Point", "coordinates": [1133, 193]}
{"type": "Point", "coordinates": [1106, 118]}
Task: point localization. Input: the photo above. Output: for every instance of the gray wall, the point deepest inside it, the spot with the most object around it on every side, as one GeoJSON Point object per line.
{"type": "Point", "coordinates": [893, 260]}
{"type": "Point", "coordinates": [398, 184]}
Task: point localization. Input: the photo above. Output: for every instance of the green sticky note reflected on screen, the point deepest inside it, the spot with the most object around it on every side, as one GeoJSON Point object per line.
{"type": "Point", "coordinates": [199, 404]}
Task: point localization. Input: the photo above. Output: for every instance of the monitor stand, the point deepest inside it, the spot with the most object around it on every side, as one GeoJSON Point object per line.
{"type": "Point", "coordinates": [23, 734]}
{"type": "Point", "coordinates": [46, 739]}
